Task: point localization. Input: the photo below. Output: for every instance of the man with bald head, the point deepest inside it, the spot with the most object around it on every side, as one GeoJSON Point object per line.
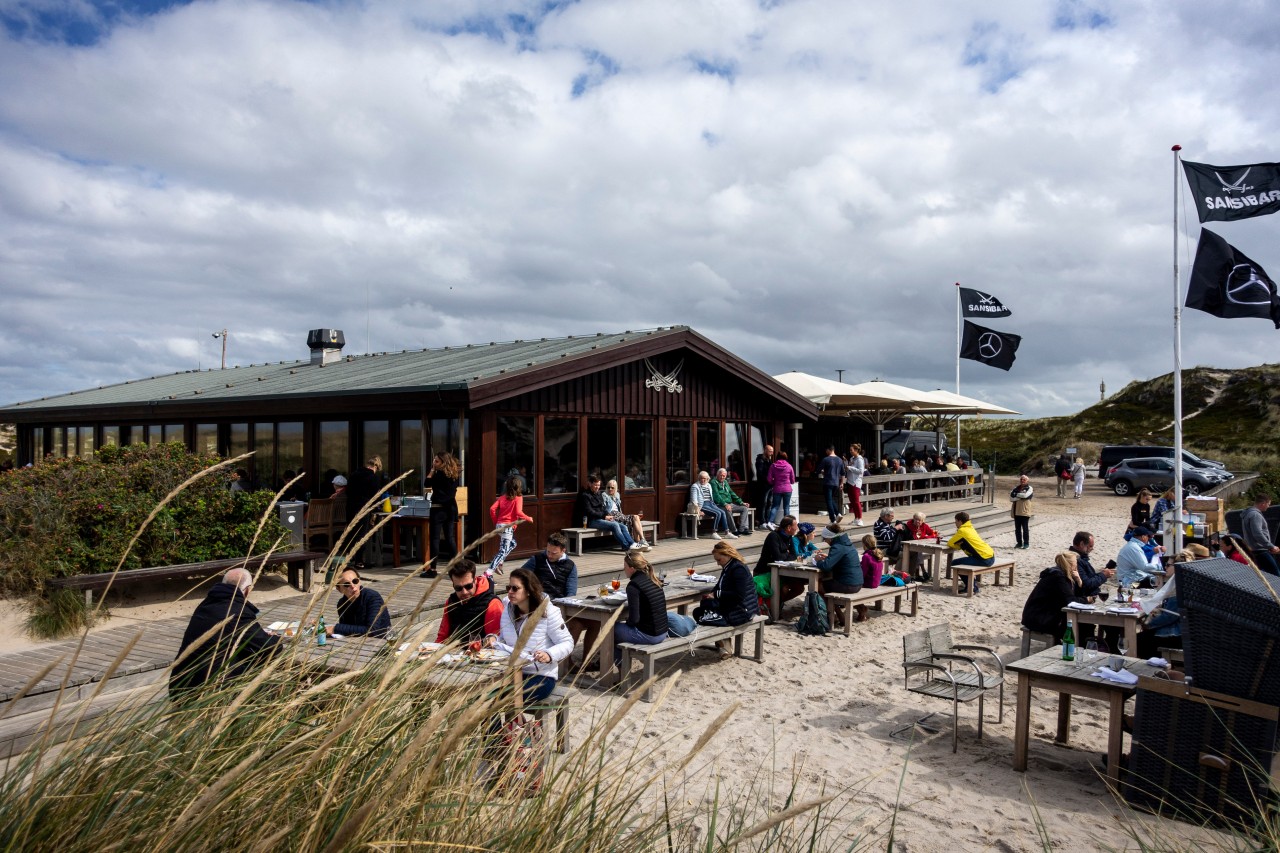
{"type": "Point", "coordinates": [223, 638]}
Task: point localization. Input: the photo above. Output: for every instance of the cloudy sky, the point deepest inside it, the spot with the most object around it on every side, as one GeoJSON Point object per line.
{"type": "Point", "coordinates": [803, 182]}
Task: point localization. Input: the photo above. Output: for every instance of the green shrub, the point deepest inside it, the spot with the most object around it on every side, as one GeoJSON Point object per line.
{"type": "Point", "coordinates": [75, 516]}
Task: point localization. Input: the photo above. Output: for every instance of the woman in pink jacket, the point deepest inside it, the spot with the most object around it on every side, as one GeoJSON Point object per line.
{"type": "Point", "coordinates": [507, 511]}
{"type": "Point", "coordinates": [781, 477]}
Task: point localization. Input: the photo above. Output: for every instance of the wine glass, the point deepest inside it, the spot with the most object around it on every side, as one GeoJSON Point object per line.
{"type": "Point", "coordinates": [1091, 651]}
{"type": "Point", "coordinates": [689, 571]}
{"type": "Point", "coordinates": [1103, 595]}
{"type": "Point", "coordinates": [1122, 646]}
{"type": "Point", "coordinates": [615, 583]}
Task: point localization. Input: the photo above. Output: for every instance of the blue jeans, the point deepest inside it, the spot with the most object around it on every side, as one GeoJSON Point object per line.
{"type": "Point", "coordinates": [780, 501]}
{"type": "Point", "coordinates": [624, 633]}
{"type": "Point", "coordinates": [1266, 561]}
{"type": "Point", "coordinates": [619, 532]}
{"type": "Point", "coordinates": [833, 502]}
{"type": "Point", "coordinates": [720, 518]}
{"type": "Point", "coordinates": [537, 688]}
{"type": "Point", "coordinates": [974, 561]}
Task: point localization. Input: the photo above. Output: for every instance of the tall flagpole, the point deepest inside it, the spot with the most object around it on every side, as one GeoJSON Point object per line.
{"type": "Point", "coordinates": [1177, 364]}
{"type": "Point", "coordinates": [958, 313]}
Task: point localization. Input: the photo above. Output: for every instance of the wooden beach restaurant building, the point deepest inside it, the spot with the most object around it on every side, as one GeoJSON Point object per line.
{"type": "Point", "coordinates": [648, 408]}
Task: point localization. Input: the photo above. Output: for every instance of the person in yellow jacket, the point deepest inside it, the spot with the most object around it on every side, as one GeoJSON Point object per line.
{"type": "Point", "coordinates": [976, 552]}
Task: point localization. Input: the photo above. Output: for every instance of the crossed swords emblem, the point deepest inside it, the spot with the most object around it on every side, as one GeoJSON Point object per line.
{"type": "Point", "coordinates": [661, 380]}
{"type": "Point", "coordinates": [1238, 186]}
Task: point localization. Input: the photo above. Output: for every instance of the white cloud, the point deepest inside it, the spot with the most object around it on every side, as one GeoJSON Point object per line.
{"type": "Point", "coordinates": [802, 182]}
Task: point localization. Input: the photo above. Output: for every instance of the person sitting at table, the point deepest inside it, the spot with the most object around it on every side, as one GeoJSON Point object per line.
{"type": "Point", "coordinates": [1133, 565]}
{"type": "Point", "coordinates": [889, 535]}
{"type": "Point", "coordinates": [734, 600]}
{"type": "Point", "coordinates": [918, 529]}
{"type": "Point", "coordinates": [613, 506]}
{"type": "Point", "coordinates": [646, 621]}
{"type": "Point", "coordinates": [778, 547]}
{"type": "Point", "coordinates": [1233, 549]}
{"type": "Point", "coordinates": [1057, 587]}
{"type": "Point", "coordinates": [1091, 579]}
{"type": "Point", "coordinates": [700, 498]}
{"type": "Point", "coordinates": [557, 573]}
{"type": "Point", "coordinates": [976, 551]}
{"type": "Point", "coordinates": [548, 644]}
{"type": "Point", "coordinates": [1163, 627]}
{"type": "Point", "coordinates": [472, 611]}
{"type": "Point", "coordinates": [223, 638]}
{"type": "Point", "coordinates": [1140, 512]}
{"type": "Point", "coordinates": [841, 569]}
{"type": "Point", "coordinates": [802, 543]}
{"type": "Point", "coordinates": [361, 610]}
{"type": "Point", "coordinates": [727, 499]}
{"type": "Point", "coordinates": [873, 559]}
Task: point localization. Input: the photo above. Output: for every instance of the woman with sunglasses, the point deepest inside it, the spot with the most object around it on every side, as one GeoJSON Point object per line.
{"type": "Point", "coordinates": [473, 611]}
{"type": "Point", "coordinates": [360, 611]}
{"type": "Point", "coordinates": [549, 643]}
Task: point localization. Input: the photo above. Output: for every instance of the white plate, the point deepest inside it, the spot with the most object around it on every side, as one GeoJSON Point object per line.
{"type": "Point", "coordinates": [616, 596]}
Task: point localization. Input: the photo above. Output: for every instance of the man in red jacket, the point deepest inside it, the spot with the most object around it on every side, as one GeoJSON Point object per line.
{"type": "Point", "coordinates": [472, 611]}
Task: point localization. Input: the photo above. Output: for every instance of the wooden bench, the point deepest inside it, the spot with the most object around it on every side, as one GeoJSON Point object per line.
{"type": "Point", "coordinates": [297, 563]}
{"type": "Point", "coordinates": [575, 535]}
{"type": "Point", "coordinates": [845, 602]}
{"type": "Point", "coordinates": [690, 520]}
{"type": "Point", "coordinates": [702, 635]}
{"type": "Point", "coordinates": [1029, 637]}
{"type": "Point", "coordinates": [970, 573]}
{"type": "Point", "coordinates": [555, 704]}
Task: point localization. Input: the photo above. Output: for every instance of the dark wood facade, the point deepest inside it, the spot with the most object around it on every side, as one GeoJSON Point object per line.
{"type": "Point", "coordinates": [612, 411]}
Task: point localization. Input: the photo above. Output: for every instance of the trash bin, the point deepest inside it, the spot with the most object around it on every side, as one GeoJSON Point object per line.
{"type": "Point", "coordinates": [291, 518]}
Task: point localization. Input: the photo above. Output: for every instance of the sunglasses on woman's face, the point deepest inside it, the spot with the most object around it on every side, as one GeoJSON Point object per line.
{"type": "Point", "coordinates": [514, 588]}
{"type": "Point", "coordinates": [466, 587]}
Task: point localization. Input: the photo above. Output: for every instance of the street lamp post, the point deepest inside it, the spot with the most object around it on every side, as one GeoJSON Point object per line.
{"type": "Point", "coordinates": [223, 335]}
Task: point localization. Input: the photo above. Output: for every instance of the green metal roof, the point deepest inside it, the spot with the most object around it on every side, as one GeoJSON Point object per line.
{"type": "Point", "coordinates": [456, 368]}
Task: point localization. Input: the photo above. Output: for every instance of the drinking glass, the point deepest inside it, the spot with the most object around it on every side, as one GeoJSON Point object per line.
{"type": "Point", "coordinates": [1122, 646]}
{"type": "Point", "coordinates": [690, 571]}
{"type": "Point", "coordinates": [1103, 594]}
{"type": "Point", "coordinates": [615, 583]}
{"type": "Point", "coordinates": [1090, 651]}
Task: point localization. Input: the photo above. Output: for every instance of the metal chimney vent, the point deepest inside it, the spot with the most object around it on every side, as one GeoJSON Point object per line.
{"type": "Point", "coordinates": [326, 345]}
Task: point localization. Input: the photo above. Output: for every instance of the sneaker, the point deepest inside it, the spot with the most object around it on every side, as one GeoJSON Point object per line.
{"type": "Point", "coordinates": [429, 573]}
{"type": "Point", "coordinates": [838, 517]}
{"type": "Point", "coordinates": [859, 522]}
{"type": "Point", "coordinates": [646, 547]}
{"type": "Point", "coordinates": [715, 536]}
{"type": "Point", "coordinates": [635, 546]}
{"type": "Point", "coordinates": [731, 535]}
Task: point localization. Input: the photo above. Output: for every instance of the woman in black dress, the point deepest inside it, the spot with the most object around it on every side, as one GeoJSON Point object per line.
{"type": "Point", "coordinates": [443, 483]}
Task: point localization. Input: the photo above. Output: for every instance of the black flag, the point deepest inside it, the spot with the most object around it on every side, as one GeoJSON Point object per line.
{"type": "Point", "coordinates": [1226, 284]}
{"type": "Point", "coordinates": [975, 303]}
{"type": "Point", "coordinates": [989, 346]}
{"type": "Point", "coordinates": [1226, 193]}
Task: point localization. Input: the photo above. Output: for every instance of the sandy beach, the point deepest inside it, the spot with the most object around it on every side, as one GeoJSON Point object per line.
{"type": "Point", "coordinates": [820, 710]}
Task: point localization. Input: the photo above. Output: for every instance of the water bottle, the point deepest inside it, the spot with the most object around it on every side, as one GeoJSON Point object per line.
{"type": "Point", "coordinates": [1069, 644]}
{"type": "Point", "coordinates": [322, 636]}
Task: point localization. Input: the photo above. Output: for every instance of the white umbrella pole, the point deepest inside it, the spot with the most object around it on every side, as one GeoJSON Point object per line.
{"type": "Point", "coordinates": [1177, 366]}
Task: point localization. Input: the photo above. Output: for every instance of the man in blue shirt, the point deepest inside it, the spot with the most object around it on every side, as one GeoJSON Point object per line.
{"type": "Point", "coordinates": [1132, 563]}
{"type": "Point", "coordinates": [831, 470]}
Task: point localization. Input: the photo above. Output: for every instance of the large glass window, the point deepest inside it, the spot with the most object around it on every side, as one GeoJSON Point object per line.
{"type": "Point", "coordinates": [110, 436]}
{"type": "Point", "coordinates": [559, 456]}
{"type": "Point", "coordinates": [237, 442]}
{"type": "Point", "coordinates": [289, 451]}
{"type": "Point", "coordinates": [172, 432]}
{"type": "Point", "coordinates": [264, 456]}
{"type": "Point", "coordinates": [375, 440]}
{"type": "Point", "coordinates": [709, 447]}
{"type": "Point", "coordinates": [334, 455]}
{"type": "Point", "coordinates": [758, 441]}
{"type": "Point", "coordinates": [411, 457]}
{"type": "Point", "coordinates": [735, 451]}
{"type": "Point", "coordinates": [85, 450]}
{"type": "Point", "coordinates": [37, 445]}
{"type": "Point", "coordinates": [602, 448]}
{"type": "Point", "coordinates": [679, 452]}
{"type": "Point", "coordinates": [639, 458]}
{"type": "Point", "coordinates": [57, 442]}
{"type": "Point", "coordinates": [515, 452]}
{"type": "Point", "coordinates": [206, 438]}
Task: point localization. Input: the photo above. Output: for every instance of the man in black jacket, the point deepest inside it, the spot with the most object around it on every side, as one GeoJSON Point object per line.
{"type": "Point", "coordinates": [361, 610]}
{"type": "Point", "coordinates": [557, 572]}
{"type": "Point", "coordinates": [1091, 579]}
{"type": "Point", "coordinates": [590, 505]}
{"type": "Point", "coordinates": [223, 637]}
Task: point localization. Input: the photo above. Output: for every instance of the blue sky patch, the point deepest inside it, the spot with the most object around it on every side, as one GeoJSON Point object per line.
{"type": "Point", "coordinates": [77, 25]}
{"type": "Point", "coordinates": [600, 67]}
{"type": "Point", "coordinates": [1077, 15]}
{"type": "Point", "coordinates": [991, 51]}
{"type": "Point", "coordinates": [726, 68]}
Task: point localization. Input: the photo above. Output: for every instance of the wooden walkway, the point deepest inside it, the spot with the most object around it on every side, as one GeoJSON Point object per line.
{"type": "Point", "coordinates": [158, 642]}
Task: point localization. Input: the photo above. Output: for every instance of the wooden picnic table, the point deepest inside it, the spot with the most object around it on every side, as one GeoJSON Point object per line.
{"type": "Point", "coordinates": [930, 552]}
{"type": "Point", "coordinates": [777, 571]}
{"type": "Point", "coordinates": [1048, 671]}
{"type": "Point", "coordinates": [1130, 624]}
{"type": "Point", "coordinates": [681, 594]}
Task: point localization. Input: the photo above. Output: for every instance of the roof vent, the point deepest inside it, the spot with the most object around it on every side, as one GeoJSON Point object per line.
{"type": "Point", "coordinates": [326, 345]}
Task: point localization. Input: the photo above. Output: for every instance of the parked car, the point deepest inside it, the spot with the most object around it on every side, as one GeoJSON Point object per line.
{"type": "Point", "coordinates": [1113, 454]}
{"type": "Point", "coordinates": [1155, 474]}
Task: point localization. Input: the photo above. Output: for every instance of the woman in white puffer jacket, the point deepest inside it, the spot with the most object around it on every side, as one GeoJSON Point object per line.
{"type": "Point", "coordinates": [549, 643]}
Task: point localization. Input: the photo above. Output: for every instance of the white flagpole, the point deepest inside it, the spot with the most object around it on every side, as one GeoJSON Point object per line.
{"type": "Point", "coordinates": [958, 313]}
{"type": "Point", "coordinates": [1177, 365]}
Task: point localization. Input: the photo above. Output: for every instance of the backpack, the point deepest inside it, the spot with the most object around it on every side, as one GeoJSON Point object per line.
{"type": "Point", "coordinates": [814, 620]}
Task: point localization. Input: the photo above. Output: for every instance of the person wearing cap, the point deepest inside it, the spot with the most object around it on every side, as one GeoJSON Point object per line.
{"type": "Point", "coordinates": [841, 568]}
{"type": "Point", "coordinates": [339, 486]}
{"type": "Point", "coordinates": [1132, 564]}
{"type": "Point", "coordinates": [802, 542]}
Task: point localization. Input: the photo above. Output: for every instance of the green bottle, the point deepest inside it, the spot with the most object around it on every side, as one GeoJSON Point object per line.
{"type": "Point", "coordinates": [322, 636]}
{"type": "Point", "coordinates": [1069, 644]}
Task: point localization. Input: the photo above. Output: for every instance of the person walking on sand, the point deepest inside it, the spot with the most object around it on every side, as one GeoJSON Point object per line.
{"type": "Point", "coordinates": [1021, 495]}
{"type": "Point", "coordinates": [1062, 473]}
{"type": "Point", "coordinates": [1077, 476]}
